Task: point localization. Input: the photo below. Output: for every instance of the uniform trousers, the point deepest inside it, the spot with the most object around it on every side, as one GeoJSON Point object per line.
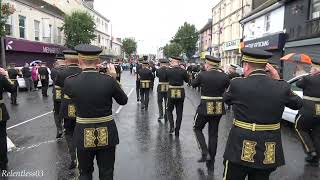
{"type": "Point", "coordinates": [57, 117]}
{"type": "Point", "coordinates": [308, 129]}
{"type": "Point", "coordinates": [45, 85]}
{"type": "Point", "coordinates": [14, 94]}
{"type": "Point", "coordinates": [105, 160]}
{"type": "Point", "coordinates": [69, 125]}
{"type": "Point", "coordinates": [138, 89]}
{"type": "Point", "coordinates": [3, 145]}
{"type": "Point", "coordinates": [162, 97]}
{"type": "Point", "coordinates": [178, 104]}
{"type": "Point", "coordinates": [233, 171]}
{"type": "Point", "coordinates": [144, 93]}
{"type": "Point", "coordinates": [200, 122]}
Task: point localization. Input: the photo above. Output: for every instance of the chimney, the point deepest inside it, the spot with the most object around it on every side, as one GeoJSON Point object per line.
{"type": "Point", "coordinates": [89, 3]}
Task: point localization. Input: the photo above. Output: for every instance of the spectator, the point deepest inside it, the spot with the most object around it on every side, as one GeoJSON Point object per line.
{"type": "Point", "coordinates": [26, 72]}
{"type": "Point", "coordinates": [34, 76]}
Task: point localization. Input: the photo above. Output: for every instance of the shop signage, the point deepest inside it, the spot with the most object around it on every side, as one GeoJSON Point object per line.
{"type": "Point", "coordinates": [272, 42]}
{"type": "Point", "coordinates": [231, 45]}
{"type": "Point", "coordinates": [13, 44]}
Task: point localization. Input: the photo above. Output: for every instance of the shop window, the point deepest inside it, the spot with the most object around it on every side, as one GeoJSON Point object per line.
{"type": "Point", "coordinates": [267, 22]}
{"type": "Point", "coordinates": [36, 30]}
{"type": "Point", "coordinates": [8, 26]}
{"type": "Point", "coordinates": [315, 9]}
{"type": "Point", "coordinates": [22, 26]}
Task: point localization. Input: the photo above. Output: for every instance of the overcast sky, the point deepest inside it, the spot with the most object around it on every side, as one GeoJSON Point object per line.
{"type": "Point", "coordinates": [153, 22]}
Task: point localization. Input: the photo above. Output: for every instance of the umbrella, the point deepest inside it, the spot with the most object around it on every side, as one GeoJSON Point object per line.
{"type": "Point", "coordinates": [35, 62]}
{"type": "Point", "coordinates": [299, 58]}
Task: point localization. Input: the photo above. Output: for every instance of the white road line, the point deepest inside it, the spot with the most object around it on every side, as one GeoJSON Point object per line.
{"type": "Point", "coordinates": [29, 120]}
{"type": "Point", "coordinates": [120, 107]}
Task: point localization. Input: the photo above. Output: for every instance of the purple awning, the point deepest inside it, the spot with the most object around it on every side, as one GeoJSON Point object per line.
{"type": "Point", "coordinates": [13, 44]}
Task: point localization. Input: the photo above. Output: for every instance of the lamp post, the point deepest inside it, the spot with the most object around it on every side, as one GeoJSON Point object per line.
{"type": "Point", "coordinates": [3, 51]}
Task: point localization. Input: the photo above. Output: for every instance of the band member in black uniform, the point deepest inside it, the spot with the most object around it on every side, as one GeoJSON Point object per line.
{"type": "Point", "coordinates": [213, 83]}
{"type": "Point", "coordinates": [57, 92]}
{"type": "Point", "coordinates": [145, 76]}
{"type": "Point", "coordinates": [5, 85]}
{"type": "Point", "coordinates": [96, 134]}
{"type": "Point", "coordinates": [153, 69]}
{"type": "Point", "coordinates": [67, 109]}
{"type": "Point", "coordinates": [232, 72]}
{"type": "Point", "coordinates": [118, 70]}
{"type": "Point", "coordinates": [176, 94]}
{"type": "Point", "coordinates": [254, 146]}
{"type": "Point", "coordinates": [44, 78]}
{"type": "Point", "coordinates": [13, 74]}
{"type": "Point", "coordinates": [162, 89]}
{"type": "Point", "coordinates": [138, 67]}
{"type": "Point", "coordinates": [307, 124]}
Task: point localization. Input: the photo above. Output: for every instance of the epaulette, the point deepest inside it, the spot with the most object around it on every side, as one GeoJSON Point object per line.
{"type": "Point", "coordinates": [71, 76]}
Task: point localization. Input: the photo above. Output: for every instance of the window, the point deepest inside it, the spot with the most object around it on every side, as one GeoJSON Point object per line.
{"type": "Point", "coordinates": [267, 22]}
{"type": "Point", "coordinates": [50, 32]}
{"type": "Point", "coordinates": [22, 26]}
{"type": "Point", "coordinates": [36, 30]}
{"type": "Point", "coordinates": [99, 39]}
{"type": "Point", "coordinates": [252, 28]}
{"type": "Point", "coordinates": [8, 26]}
{"type": "Point", "coordinates": [59, 40]}
{"type": "Point", "coordinates": [106, 27]}
{"type": "Point", "coordinates": [315, 9]}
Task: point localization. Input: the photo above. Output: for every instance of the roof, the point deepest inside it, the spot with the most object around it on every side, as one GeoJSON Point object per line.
{"type": "Point", "coordinates": [263, 6]}
{"type": "Point", "coordinates": [207, 26]}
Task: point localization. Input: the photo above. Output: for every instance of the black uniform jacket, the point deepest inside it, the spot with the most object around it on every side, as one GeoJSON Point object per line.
{"type": "Point", "coordinates": [44, 73]}
{"type": "Point", "coordinates": [56, 90]}
{"type": "Point", "coordinates": [176, 76]}
{"type": "Point", "coordinates": [67, 109]}
{"type": "Point", "coordinates": [161, 73]}
{"type": "Point", "coordinates": [5, 85]}
{"type": "Point", "coordinates": [146, 77]}
{"type": "Point", "coordinates": [261, 100]}
{"type": "Point", "coordinates": [213, 84]}
{"type": "Point", "coordinates": [92, 94]}
{"type": "Point", "coordinates": [13, 73]}
{"type": "Point", "coordinates": [311, 91]}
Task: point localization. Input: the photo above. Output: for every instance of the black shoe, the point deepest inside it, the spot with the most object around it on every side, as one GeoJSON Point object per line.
{"type": "Point", "coordinates": [72, 165]}
{"type": "Point", "coordinates": [138, 100]}
{"type": "Point", "coordinates": [142, 107]}
{"type": "Point", "coordinates": [160, 118]}
{"type": "Point", "coordinates": [171, 131]}
{"type": "Point", "coordinates": [176, 133]}
{"type": "Point", "coordinates": [59, 135]}
{"type": "Point", "coordinates": [311, 157]}
{"type": "Point", "coordinates": [204, 158]}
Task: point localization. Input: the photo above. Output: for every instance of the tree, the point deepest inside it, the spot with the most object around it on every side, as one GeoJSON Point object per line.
{"type": "Point", "coordinates": [129, 46]}
{"type": "Point", "coordinates": [172, 49]}
{"type": "Point", "coordinates": [187, 38]}
{"type": "Point", "coordinates": [6, 10]}
{"type": "Point", "coordinates": [78, 28]}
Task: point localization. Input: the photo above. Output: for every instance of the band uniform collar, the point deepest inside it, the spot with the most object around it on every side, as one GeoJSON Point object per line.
{"type": "Point", "coordinates": [258, 72]}
{"type": "Point", "coordinates": [90, 70]}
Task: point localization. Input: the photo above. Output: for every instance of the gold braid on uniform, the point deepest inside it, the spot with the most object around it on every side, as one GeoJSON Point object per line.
{"type": "Point", "coordinates": [88, 57]}
{"type": "Point", "coordinates": [254, 60]}
{"type": "Point", "coordinates": [70, 56]}
{"type": "Point", "coordinates": [212, 63]}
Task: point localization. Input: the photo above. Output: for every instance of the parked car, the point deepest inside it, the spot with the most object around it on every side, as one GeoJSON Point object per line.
{"type": "Point", "coordinates": [289, 114]}
{"type": "Point", "coordinates": [22, 83]}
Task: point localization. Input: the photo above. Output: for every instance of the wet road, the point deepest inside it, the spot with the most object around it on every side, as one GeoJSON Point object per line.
{"type": "Point", "coordinates": [145, 152]}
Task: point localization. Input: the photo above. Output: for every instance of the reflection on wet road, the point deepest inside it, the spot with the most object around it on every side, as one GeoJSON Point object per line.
{"type": "Point", "coordinates": [145, 152]}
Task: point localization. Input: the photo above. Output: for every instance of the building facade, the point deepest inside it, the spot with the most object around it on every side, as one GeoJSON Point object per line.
{"type": "Point", "coordinates": [264, 29]}
{"type": "Point", "coordinates": [33, 32]}
{"type": "Point", "coordinates": [205, 43]}
{"type": "Point", "coordinates": [302, 25]}
{"type": "Point", "coordinates": [227, 31]}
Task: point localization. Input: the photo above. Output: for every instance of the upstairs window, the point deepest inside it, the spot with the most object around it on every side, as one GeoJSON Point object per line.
{"type": "Point", "coordinates": [315, 9]}
{"type": "Point", "coordinates": [22, 26]}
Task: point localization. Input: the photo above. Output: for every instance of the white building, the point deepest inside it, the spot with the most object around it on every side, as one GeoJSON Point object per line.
{"type": "Point", "coordinates": [227, 31]}
{"type": "Point", "coordinates": [160, 54]}
{"type": "Point", "coordinates": [264, 29]}
{"type": "Point", "coordinates": [33, 32]}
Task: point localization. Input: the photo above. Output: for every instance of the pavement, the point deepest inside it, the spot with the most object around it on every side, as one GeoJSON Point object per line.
{"type": "Point", "coordinates": [145, 152]}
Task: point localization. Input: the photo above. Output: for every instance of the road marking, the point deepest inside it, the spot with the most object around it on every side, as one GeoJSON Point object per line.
{"type": "Point", "coordinates": [120, 107]}
{"type": "Point", "coordinates": [10, 145]}
{"type": "Point", "coordinates": [34, 145]}
{"type": "Point", "coordinates": [29, 120]}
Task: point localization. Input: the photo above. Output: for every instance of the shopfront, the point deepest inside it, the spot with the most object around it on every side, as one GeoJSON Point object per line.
{"type": "Point", "coordinates": [272, 43]}
{"type": "Point", "coordinates": [22, 51]}
{"type": "Point", "coordinates": [230, 53]}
